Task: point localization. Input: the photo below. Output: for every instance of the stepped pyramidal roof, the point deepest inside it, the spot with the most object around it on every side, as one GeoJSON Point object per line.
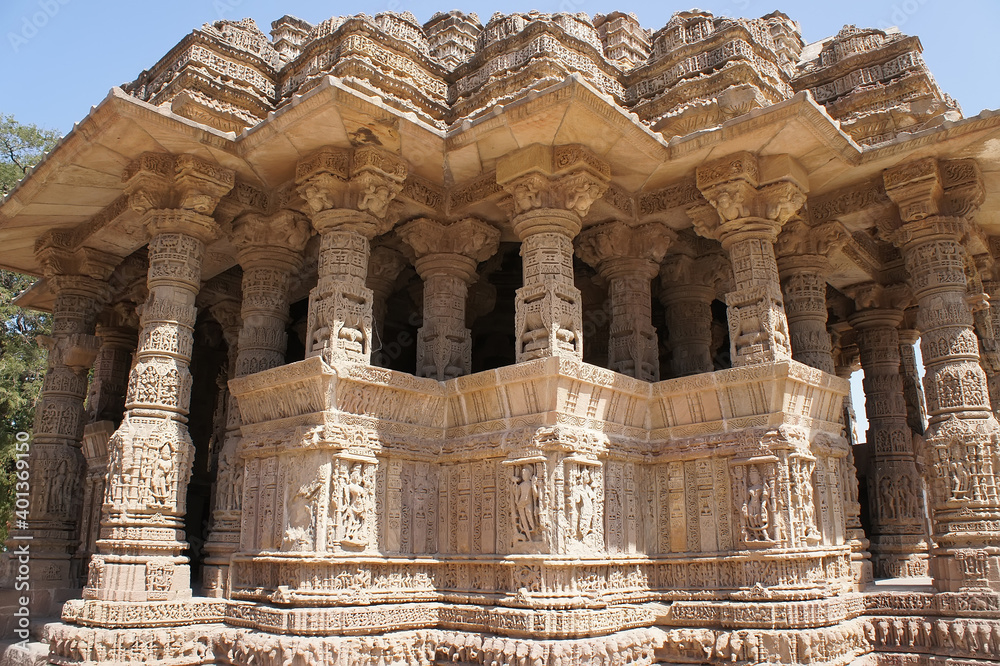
{"type": "Point", "coordinates": [693, 73]}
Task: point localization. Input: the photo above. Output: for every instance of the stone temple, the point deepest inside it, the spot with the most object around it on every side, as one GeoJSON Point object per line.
{"type": "Point", "coordinates": [518, 344]}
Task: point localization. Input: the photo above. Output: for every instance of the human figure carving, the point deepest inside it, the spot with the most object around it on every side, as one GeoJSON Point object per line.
{"type": "Point", "coordinates": [354, 505]}
{"type": "Point", "coordinates": [756, 510]}
{"type": "Point", "coordinates": [159, 479]}
{"type": "Point", "coordinates": [58, 490]}
{"type": "Point", "coordinates": [583, 498]}
{"type": "Point", "coordinates": [526, 497]}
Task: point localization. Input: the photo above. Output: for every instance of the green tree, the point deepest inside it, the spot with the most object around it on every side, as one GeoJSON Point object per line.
{"type": "Point", "coordinates": [22, 360]}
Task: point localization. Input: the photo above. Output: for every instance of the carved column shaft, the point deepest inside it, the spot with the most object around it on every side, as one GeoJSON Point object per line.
{"type": "Point", "coordinates": [340, 306]}
{"type": "Point", "coordinates": [384, 267]}
{"type": "Point", "coordinates": [444, 344]}
{"type": "Point", "coordinates": [861, 564]}
{"type": "Point", "coordinates": [689, 323]}
{"type": "Point", "coordinates": [270, 251]}
{"type": "Point", "coordinates": [551, 190]}
{"type": "Point", "coordinates": [954, 381]}
{"type": "Point", "coordinates": [55, 461]}
{"type": "Point", "coordinates": [913, 392]}
{"type": "Point", "coordinates": [628, 258]}
{"type": "Point", "coordinates": [95, 448]}
{"type": "Point", "coordinates": [105, 408]}
{"type": "Point", "coordinates": [746, 218]}
{"type": "Point", "coordinates": [989, 345]}
{"type": "Point", "coordinates": [548, 308]}
{"type": "Point", "coordinates": [804, 289]}
{"type": "Point", "coordinates": [262, 338]}
{"type": "Point", "coordinates": [898, 539]}
{"type": "Point", "coordinates": [757, 323]}
{"type": "Point", "coordinates": [150, 455]}
{"type": "Point", "coordinates": [446, 259]}
{"type": "Point", "coordinates": [689, 285]}
{"type": "Point", "coordinates": [632, 345]}
{"type": "Point", "coordinates": [106, 401]}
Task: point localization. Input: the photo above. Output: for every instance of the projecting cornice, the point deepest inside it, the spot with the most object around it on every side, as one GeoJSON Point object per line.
{"type": "Point", "coordinates": [78, 187]}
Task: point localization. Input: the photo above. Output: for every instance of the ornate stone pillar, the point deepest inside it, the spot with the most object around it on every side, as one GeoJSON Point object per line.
{"type": "Point", "coordinates": [627, 258]}
{"type": "Point", "coordinates": [446, 259]}
{"type": "Point", "coordinates": [106, 399]}
{"type": "Point", "coordinates": [803, 265]}
{"type": "Point", "coordinates": [105, 408]}
{"type": "Point", "coordinates": [913, 392]}
{"type": "Point", "coordinates": [95, 451]}
{"type": "Point", "coordinates": [140, 553]}
{"type": "Point", "coordinates": [269, 248]}
{"type": "Point", "coordinates": [348, 193]}
{"type": "Point", "coordinates": [56, 464]}
{"type": "Point", "coordinates": [845, 359]}
{"type": "Point", "coordinates": [551, 189]}
{"type": "Point", "coordinates": [935, 201]}
{"type": "Point", "coordinates": [749, 204]}
{"type": "Point", "coordinates": [898, 536]}
{"type": "Point", "coordinates": [383, 269]}
{"type": "Point", "coordinates": [688, 287]}
{"type": "Point", "coordinates": [988, 326]}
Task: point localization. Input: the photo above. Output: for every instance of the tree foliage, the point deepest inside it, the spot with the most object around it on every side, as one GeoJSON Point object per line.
{"type": "Point", "coordinates": [22, 360]}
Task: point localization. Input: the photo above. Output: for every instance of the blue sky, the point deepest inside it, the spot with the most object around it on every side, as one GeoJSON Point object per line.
{"type": "Point", "coordinates": [62, 56]}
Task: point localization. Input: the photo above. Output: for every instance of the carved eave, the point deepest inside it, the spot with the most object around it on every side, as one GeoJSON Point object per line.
{"type": "Point", "coordinates": [335, 115]}
{"type": "Point", "coordinates": [38, 296]}
{"type": "Point", "coordinates": [77, 185]}
{"type": "Point", "coordinates": [569, 112]}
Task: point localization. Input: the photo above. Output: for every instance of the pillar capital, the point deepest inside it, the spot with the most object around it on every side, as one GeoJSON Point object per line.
{"type": "Point", "coordinates": [930, 188]}
{"type": "Point", "coordinates": [872, 297]}
{"type": "Point", "coordinates": [181, 221]}
{"type": "Point", "coordinates": [566, 178]}
{"type": "Point", "coordinates": [450, 249]}
{"type": "Point", "coordinates": [384, 267]}
{"type": "Point", "coordinates": [163, 181]}
{"type": "Point", "coordinates": [276, 240]}
{"type": "Point", "coordinates": [804, 247]}
{"type": "Point", "coordinates": [59, 255]}
{"type": "Point", "coordinates": [615, 248]}
{"type": "Point", "coordinates": [750, 198]}
{"type": "Point", "coordinates": [350, 188]}
{"type": "Point", "coordinates": [708, 276]}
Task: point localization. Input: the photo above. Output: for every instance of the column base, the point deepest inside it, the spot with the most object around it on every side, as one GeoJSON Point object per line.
{"type": "Point", "coordinates": [899, 556]}
{"type": "Point", "coordinates": [44, 571]}
{"type": "Point", "coordinates": [966, 569]}
{"type": "Point", "coordinates": [175, 633]}
{"type": "Point", "coordinates": [214, 581]}
{"type": "Point", "coordinates": [138, 580]}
